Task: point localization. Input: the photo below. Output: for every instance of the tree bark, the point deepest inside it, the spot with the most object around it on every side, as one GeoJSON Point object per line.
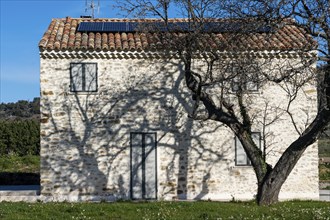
{"type": "Point", "coordinates": [269, 188]}
{"type": "Point", "coordinates": [268, 193]}
{"type": "Point", "coordinates": [270, 180]}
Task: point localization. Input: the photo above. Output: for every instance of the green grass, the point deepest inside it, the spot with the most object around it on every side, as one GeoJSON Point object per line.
{"type": "Point", "coordinates": [24, 164]}
{"type": "Point", "coordinates": [165, 210]}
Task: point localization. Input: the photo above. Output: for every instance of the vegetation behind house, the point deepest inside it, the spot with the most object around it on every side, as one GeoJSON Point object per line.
{"type": "Point", "coordinates": [20, 128]}
{"type": "Point", "coordinates": [20, 143]}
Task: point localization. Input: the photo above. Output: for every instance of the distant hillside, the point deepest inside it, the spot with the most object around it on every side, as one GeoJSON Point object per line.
{"type": "Point", "coordinates": [20, 110]}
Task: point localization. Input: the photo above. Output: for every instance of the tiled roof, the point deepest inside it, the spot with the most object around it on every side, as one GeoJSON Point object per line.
{"type": "Point", "coordinates": [62, 35]}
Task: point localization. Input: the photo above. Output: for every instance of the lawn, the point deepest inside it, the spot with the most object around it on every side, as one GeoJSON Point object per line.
{"type": "Point", "coordinates": [165, 210]}
{"type": "Point", "coordinates": [17, 164]}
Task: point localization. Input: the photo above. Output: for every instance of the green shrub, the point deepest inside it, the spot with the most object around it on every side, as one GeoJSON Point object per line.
{"type": "Point", "coordinates": [20, 137]}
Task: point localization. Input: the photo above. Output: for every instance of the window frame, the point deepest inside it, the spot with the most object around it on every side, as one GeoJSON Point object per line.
{"type": "Point", "coordinates": [83, 66]}
{"type": "Point", "coordinates": [248, 162]}
{"type": "Point", "coordinates": [235, 82]}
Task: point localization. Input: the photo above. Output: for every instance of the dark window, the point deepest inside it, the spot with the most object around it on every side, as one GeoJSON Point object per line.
{"type": "Point", "coordinates": [83, 77]}
{"type": "Point", "coordinates": [241, 158]}
{"type": "Point", "coordinates": [244, 84]}
{"type": "Point", "coordinates": [245, 80]}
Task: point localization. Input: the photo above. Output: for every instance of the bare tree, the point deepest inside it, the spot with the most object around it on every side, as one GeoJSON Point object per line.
{"type": "Point", "coordinates": [314, 18]}
{"type": "Point", "coordinates": [231, 105]}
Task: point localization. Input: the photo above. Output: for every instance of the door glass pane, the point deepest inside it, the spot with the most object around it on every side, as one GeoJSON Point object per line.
{"type": "Point", "coordinates": [136, 163]}
{"type": "Point", "coordinates": [150, 166]}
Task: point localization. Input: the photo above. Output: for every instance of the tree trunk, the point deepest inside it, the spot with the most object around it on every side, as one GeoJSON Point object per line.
{"type": "Point", "coordinates": [270, 186]}
{"type": "Point", "coordinates": [269, 190]}
{"type": "Point", "coordinates": [267, 195]}
{"type": "Point", "coordinates": [270, 180]}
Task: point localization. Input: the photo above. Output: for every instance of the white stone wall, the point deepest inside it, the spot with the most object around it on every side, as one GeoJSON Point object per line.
{"type": "Point", "coordinates": [85, 146]}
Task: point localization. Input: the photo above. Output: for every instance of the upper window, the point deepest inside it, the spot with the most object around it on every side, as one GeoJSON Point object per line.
{"type": "Point", "coordinates": [240, 157]}
{"type": "Point", "coordinates": [244, 85]}
{"type": "Point", "coordinates": [246, 79]}
{"type": "Point", "coordinates": [83, 77]}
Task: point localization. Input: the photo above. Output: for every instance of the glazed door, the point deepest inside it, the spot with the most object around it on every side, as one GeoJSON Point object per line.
{"type": "Point", "coordinates": [143, 166]}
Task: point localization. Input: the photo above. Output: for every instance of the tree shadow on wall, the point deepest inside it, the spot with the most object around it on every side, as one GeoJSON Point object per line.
{"type": "Point", "coordinates": [85, 144]}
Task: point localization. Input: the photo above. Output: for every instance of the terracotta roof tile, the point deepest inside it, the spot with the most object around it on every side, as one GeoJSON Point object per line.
{"type": "Point", "coordinates": [77, 42]}
{"type": "Point", "coordinates": [137, 41]}
{"type": "Point", "coordinates": [91, 40]}
{"type": "Point", "coordinates": [62, 34]}
{"type": "Point", "coordinates": [144, 41]}
{"type": "Point", "coordinates": [118, 41]}
{"type": "Point", "coordinates": [111, 43]}
{"type": "Point", "coordinates": [124, 41]}
{"type": "Point", "coordinates": [84, 41]}
{"type": "Point", "coordinates": [104, 41]}
{"type": "Point", "coordinates": [98, 41]}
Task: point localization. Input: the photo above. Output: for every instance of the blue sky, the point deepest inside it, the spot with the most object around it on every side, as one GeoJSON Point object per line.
{"type": "Point", "coordinates": [22, 25]}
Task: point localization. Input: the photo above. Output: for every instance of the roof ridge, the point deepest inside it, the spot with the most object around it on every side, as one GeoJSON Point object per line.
{"type": "Point", "coordinates": [62, 34]}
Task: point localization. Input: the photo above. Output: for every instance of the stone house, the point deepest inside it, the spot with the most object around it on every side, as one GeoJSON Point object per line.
{"type": "Point", "coordinates": [114, 119]}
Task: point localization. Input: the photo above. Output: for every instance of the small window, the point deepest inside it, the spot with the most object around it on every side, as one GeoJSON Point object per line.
{"type": "Point", "coordinates": [244, 84]}
{"type": "Point", "coordinates": [241, 158]}
{"type": "Point", "coordinates": [245, 79]}
{"type": "Point", "coordinates": [83, 77]}
{"type": "Point", "coordinates": [235, 85]}
{"type": "Point", "coordinates": [251, 86]}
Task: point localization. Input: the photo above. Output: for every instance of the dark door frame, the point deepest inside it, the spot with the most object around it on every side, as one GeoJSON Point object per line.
{"type": "Point", "coordinates": [143, 165]}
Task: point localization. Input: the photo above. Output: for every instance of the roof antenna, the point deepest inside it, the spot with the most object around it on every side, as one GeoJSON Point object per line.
{"type": "Point", "coordinates": [90, 8]}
